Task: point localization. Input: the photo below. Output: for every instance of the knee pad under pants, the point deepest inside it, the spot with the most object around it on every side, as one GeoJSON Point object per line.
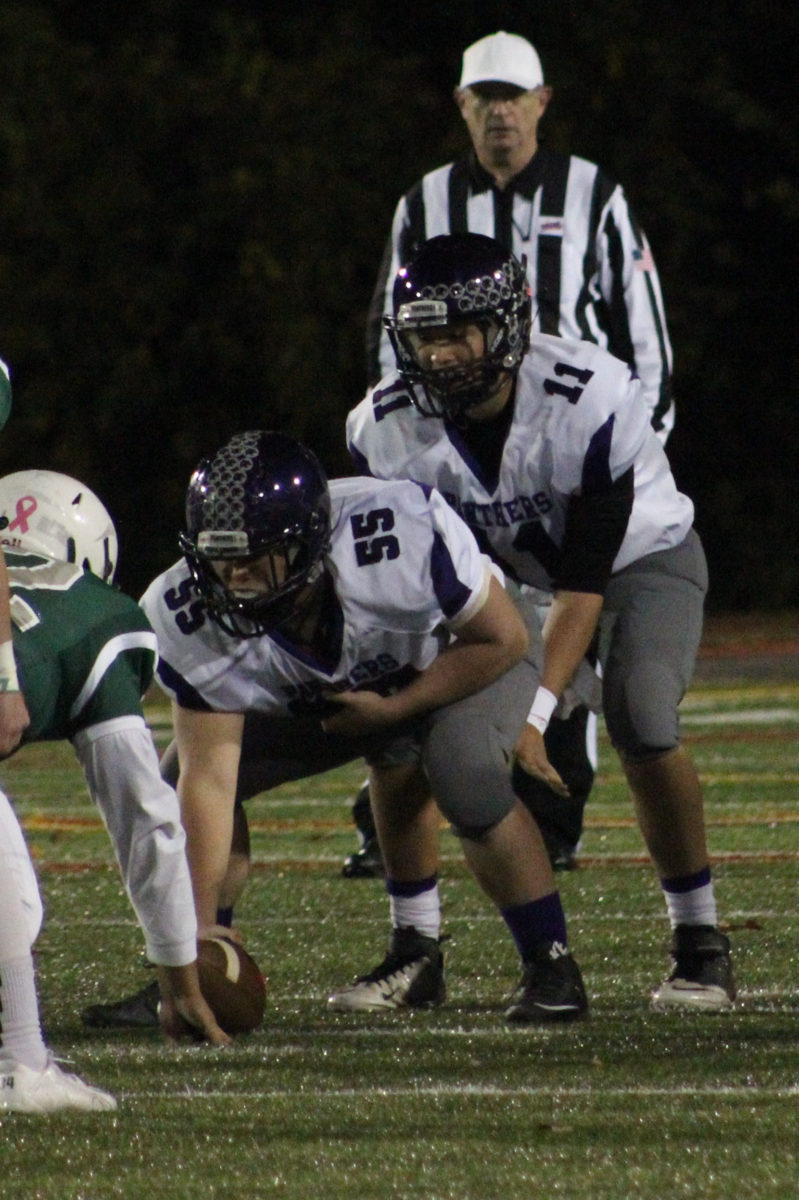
{"type": "Point", "coordinates": [641, 714]}
{"type": "Point", "coordinates": [467, 751]}
{"type": "Point", "coordinates": [650, 632]}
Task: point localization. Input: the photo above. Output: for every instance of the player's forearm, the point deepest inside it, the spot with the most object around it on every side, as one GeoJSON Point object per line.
{"type": "Point", "coordinates": [568, 630]}
{"type": "Point", "coordinates": [207, 815]}
{"type": "Point", "coordinates": [459, 671]}
{"type": "Point", "coordinates": [487, 645]}
{"type": "Point", "coordinates": [209, 747]}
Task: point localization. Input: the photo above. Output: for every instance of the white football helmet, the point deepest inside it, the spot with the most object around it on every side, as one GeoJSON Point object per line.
{"type": "Point", "coordinates": [47, 513]}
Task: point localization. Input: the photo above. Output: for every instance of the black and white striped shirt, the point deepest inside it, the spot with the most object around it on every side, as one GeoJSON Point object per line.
{"type": "Point", "coordinates": [588, 260]}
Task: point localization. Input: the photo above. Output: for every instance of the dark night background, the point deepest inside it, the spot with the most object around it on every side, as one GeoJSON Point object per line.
{"type": "Point", "coordinates": [196, 196]}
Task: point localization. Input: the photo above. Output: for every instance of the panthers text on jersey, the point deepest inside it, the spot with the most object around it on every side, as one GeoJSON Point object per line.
{"type": "Point", "coordinates": [578, 418]}
{"type": "Point", "coordinates": [86, 655]}
{"type": "Point", "coordinates": [404, 570]}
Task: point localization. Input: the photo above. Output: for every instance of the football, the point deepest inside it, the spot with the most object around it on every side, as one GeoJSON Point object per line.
{"type": "Point", "coordinates": [232, 984]}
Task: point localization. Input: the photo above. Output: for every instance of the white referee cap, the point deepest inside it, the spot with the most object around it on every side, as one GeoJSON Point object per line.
{"type": "Point", "coordinates": [502, 58]}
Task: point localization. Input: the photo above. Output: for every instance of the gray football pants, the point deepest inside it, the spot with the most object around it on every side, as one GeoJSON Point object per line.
{"type": "Point", "coordinates": [649, 635]}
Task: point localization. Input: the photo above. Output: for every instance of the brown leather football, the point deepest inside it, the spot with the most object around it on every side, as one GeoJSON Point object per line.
{"type": "Point", "coordinates": [232, 984]}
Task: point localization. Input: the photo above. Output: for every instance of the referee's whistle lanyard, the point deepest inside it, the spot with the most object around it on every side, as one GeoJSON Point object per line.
{"type": "Point", "coordinates": [524, 235]}
{"type": "Point", "coordinates": [505, 216]}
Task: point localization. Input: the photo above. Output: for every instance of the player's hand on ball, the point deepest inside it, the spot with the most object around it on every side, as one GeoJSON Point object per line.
{"type": "Point", "coordinates": [531, 756]}
{"type": "Point", "coordinates": [193, 1018]}
{"type": "Point", "coordinates": [183, 1012]}
{"type": "Point", "coordinates": [232, 983]}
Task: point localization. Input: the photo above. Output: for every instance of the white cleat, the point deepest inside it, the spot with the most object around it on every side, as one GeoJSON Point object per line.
{"type": "Point", "coordinates": [378, 995]}
{"type": "Point", "coordinates": [686, 994]}
{"type": "Point", "coordinates": [702, 979]}
{"type": "Point", "coordinates": [49, 1090]}
{"type": "Point", "coordinates": [410, 976]}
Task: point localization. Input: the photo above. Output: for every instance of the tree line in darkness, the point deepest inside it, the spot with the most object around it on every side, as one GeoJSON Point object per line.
{"type": "Point", "coordinates": [196, 197]}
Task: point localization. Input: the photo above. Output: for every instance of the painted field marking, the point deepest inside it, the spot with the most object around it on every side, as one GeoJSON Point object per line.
{"type": "Point", "coordinates": [477, 1090]}
{"type": "Point", "coordinates": [743, 716]}
{"type": "Point", "coordinates": [265, 862]}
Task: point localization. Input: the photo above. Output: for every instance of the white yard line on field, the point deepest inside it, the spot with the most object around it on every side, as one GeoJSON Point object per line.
{"type": "Point", "coordinates": [742, 716]}
{"type": "Point", "coordinates": [478, 1090]}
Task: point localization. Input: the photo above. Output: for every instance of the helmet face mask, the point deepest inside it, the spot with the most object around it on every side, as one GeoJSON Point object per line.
{"type": "Point", "coordinates": [261, 502]}
{"type": "Point", "coordinates": [455, 281]}
{"type": "Point", "coordinates": [244, 612]}
{"type": "Point", "coordinates": [449, 391]}
{"type": "Point", "coordinates": [55, 516]}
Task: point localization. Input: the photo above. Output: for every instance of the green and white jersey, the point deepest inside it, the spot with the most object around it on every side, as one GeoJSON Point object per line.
{"type": "Point", "coordinates": [85, 652]}
{"type": "Point", "coordinates": [85, 656]}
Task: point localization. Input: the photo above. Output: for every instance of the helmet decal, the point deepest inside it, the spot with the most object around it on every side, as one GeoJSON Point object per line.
{"type": "Point", "coordinates": [228, 476]}
{"type": "Point", "coordinates": [25, 507]}
{"type": "Point", "coordinates": [476, 295]}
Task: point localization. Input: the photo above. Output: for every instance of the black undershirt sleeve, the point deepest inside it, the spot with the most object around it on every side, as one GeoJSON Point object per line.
{"type": "Point", "coordinates": [596, 522]}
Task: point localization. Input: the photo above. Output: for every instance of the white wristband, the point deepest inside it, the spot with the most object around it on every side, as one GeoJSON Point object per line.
{"type": "Point", "coordinates": [544, 704]}
{"type": "Point", "coordinates": [9, 681]}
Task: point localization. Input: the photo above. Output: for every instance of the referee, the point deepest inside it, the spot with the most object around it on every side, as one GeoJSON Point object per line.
{"type": "Point", "coordinates": [588, 261]}
{"type": "Point", "coordinates": [592, 278]}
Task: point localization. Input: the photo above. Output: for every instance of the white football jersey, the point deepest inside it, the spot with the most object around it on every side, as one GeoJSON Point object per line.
{"type": "Point", "coordinates": [578, 418]}
{"type": "Point", "coordinates": [405, 570]}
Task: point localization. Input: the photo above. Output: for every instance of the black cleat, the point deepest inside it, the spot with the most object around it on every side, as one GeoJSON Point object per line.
{"type": "Point", "coordinates": [551, 988]}
{"type": "Point", "coordinates": [561, 856]}
{"type": "Point", "coordinates": [702, 978]}
{"type": "Point", "coordinates": [366, 863]}
{"type": "Point", "coordinates": [139, 1011]}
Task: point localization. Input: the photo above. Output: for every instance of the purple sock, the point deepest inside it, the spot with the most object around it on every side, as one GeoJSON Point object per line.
{"type": "Point", "coordinates": [414, 887]}
{"type": "Point", "coordinates": [535, 922]}
{"type": "Point", "coordinates": [687, 883]}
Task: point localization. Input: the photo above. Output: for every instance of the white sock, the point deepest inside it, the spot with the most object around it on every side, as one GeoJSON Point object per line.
{"type": "Point", "coordinates": [20, 1031]}
{"type": "Point", "coordinates": [697, 907]}
{"type": "Point", "coordinates": [422, 911]}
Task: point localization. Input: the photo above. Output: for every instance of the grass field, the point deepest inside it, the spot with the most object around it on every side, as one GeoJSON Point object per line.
{"type": "Point", "coordinates": [451, 1104]}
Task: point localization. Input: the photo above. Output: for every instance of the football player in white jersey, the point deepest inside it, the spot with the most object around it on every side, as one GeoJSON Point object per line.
{"type": "Point", "coordinates": [593, 278]}
{"type": "Point", "coordinates": [545, 448]}
{"type": "Point", "coordinates": [310, 624]}
{"type": "Point", "coordinates": [85, 655]}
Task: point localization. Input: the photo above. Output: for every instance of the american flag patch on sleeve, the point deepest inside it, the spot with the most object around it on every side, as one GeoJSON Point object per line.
{"type": "Point", "coordinates": [642, 259]}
